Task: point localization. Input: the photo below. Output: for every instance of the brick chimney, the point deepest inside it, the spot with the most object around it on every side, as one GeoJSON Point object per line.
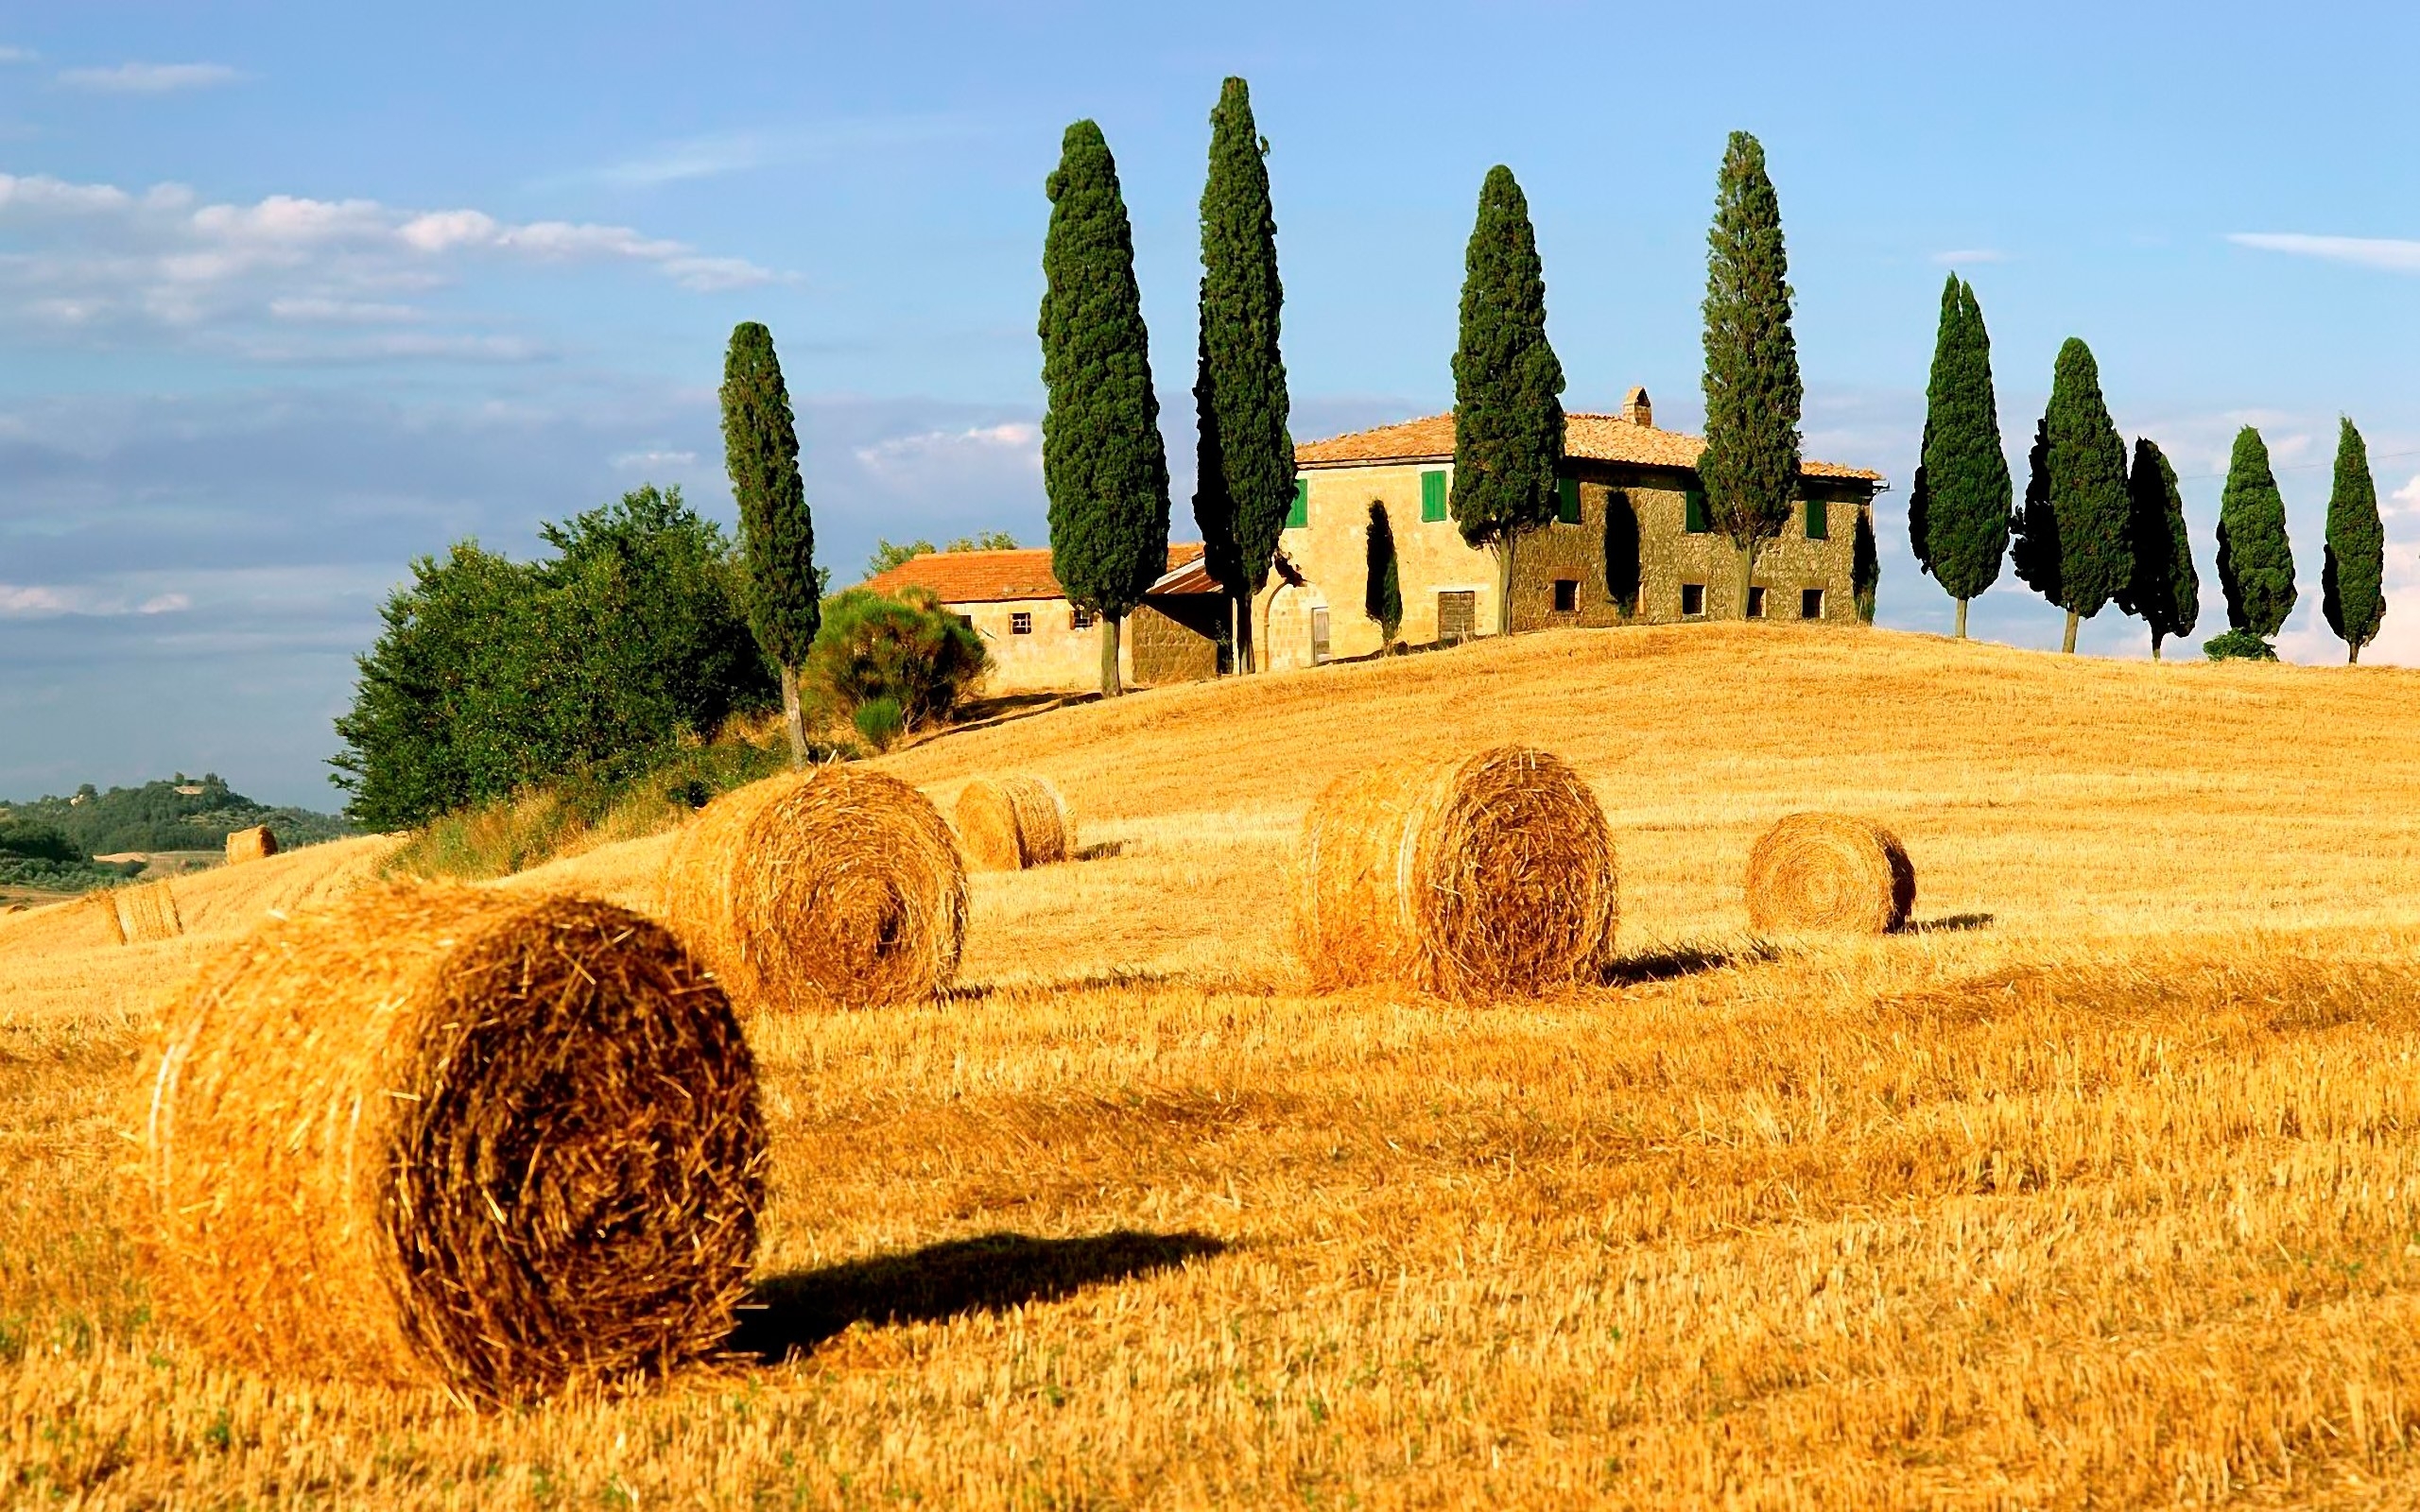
{"type": "Point", "coordinates": [1637, 407]}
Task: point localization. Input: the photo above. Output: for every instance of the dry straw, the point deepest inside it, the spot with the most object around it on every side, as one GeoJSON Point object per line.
{"type": "Point", "coordinates": [1488, 875]}
{"type": "Point", "coordinates": [451, 1137]}
{"type": "Point", "coordinates": [255, 844]}
{"type": "Point", "coordinates": [839, 887]}
{"type": "Point", "coordinates": [147, 913]}
{"type": "Point", "coordinates": [1829, 871]}
{"type": "Point", "coordinates": [1009, 823]}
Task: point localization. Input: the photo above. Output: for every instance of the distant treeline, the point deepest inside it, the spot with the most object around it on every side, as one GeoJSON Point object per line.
{"type": "Point", "coordinates": [50, 841]}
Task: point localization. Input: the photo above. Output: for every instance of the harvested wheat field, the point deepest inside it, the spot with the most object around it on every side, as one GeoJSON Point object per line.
{"type": "Point", "coordinates": [2097, 1185]}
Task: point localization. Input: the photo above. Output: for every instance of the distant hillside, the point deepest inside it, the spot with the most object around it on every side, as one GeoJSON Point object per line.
{"type": "Point", "coordinates": [180, 813]}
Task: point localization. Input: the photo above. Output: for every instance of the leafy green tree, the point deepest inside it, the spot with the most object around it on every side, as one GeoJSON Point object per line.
{"type": "Point", "coordinates": [1382, 591]}
{"type": "Point", "coordinates": [984, 540]}
{"type": "Point", "coordinates": [902, 647]}
{"type": "Point", "coordinates": [1246, 474]}
{"type": "Point", "coordinates": [2239, 646]}
{"type": "Point", "coordinates": [760, 452]}
{"type": "Point", "coordinates": [1865, 566]}
{"type": "Point", "coordinates": [1103, 463]}
{"type": "Point", "coordinates": [1753, 392]}
{"type": "Point", "coordinates": [2164, 591]}
{"type": "Point", "coordinates": [2073, 526]}
{"type": "Point", "coordinates": [889, 554]}
{"type": "Point", "coordinates": [1964, 511]}
{"type": "Point", "coordinates": [2352, 582]}
{"type": "Point", "coordinates": [2255, 561]}
{"type": "Point", "coordinates": [1508, 387]}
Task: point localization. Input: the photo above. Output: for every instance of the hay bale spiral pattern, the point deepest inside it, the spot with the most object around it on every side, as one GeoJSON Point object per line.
{"type": "Point", "coordinates": [452, 1136]}
{"type": "Point", "coordinates": [1829, 871]}
{"type": "Point", "coordinates": [836, 889]}
{"type": "Point", "coordinates": [1490, 875]}
{"type": "Point", "coordinates": [1009, 823]}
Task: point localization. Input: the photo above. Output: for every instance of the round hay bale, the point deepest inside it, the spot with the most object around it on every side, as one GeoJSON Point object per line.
{"type": "Point", "coordinates": [490, 1142]}
{"type": "Point", "coordinates": [147, 913]}
{"type": "Point", "coordinates": [255, 844]}
{"type": "Point", "coordinates": [1829, 871]}
{"type": "Point", "coordinates": [1009, 823]}
{"type": "Point", "coordinates": [1489, 875]}
{"type": "Point", "coordinates": [839, 887]}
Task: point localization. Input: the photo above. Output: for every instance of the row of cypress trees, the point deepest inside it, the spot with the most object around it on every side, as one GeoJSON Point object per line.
{"type": "Point", "coordinates": [2092, 529]}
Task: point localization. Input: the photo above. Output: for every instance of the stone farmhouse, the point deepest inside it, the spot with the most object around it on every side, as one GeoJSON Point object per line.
{"type": "Point", "coordinates": [1040, 643]}
{"type": "Point", "coordinates": [1631, 544]}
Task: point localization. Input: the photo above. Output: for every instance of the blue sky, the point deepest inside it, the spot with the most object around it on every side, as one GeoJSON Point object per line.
{"type": "Point", "coordinates": [291, 293]}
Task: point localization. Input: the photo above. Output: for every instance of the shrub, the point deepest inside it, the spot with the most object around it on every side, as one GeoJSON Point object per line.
{"type": "Point", "coordinates": [2239, 646]}
{"type": "Point", "coordinates": [22, 840]}
{"type": "Point", "coordinates": [904, 647]}
{"type": "Point", "coordinates": [878, 720]}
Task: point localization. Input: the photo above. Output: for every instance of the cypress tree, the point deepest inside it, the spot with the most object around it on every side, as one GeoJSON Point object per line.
{"type": "Point", "coordinates": [1865, 566]}
{"type": "Point", "coordinates": [1508, 387]}
{"type": "Point", "coordinates": [1246, 475]}
{"type": "Point", "coordinates": [2256, 563]}
{"type": "Point", "coordinates": [1750, 466]}
{"type": "Point", "coordinates": [2074, 522]}
{"type": "Point", "coordinates": [777, 534]}
{"type": "Point", "coordinates": [2163, 589]}
{"type": "Point", "coordinates": [2352, 581]}
{"type": "Point", "coordinates": [1103, 463]}
{"type": "Point", "coordinates": [1964, 474]}
{"type": "Point", "coordinates": [1920, 508]}
{"type": "Point", "coordinates": [1382, 595]}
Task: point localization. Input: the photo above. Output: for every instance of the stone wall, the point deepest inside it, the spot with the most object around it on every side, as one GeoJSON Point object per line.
{"type": "Point", "coordinates": [1175, 639]}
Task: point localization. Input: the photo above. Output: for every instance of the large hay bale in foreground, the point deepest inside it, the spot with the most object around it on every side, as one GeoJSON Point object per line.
{"type": "Point", "coordinates": [1829, 871]}
{"type": "Point", "coordinates": [839, 887]}
{"type": "Point", "coordinates": [1009, 823]}
{"type": "Point", "coordinates": [453, 1136]}
{"type": "Point", "coordinates": [255, 844]}
{"type": "Point", "coordinates": [146, 911]}
{"type": "Point", "coordinates": [1489, 875]}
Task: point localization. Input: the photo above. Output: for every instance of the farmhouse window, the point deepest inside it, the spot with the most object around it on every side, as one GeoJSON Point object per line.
{"type": "Point", "coordinates": [1810, 603]}
{"type": "Point", "coordinates": [1818, 521]}
{"type": "Point", "coordinates": [1300, 515]}
{"type": "Point", "coordinates": [1692, 600]}
{"type": "Point", "coordinates": [1693, 511]}
{"type": "Point", "coordinates": [1566, 500]}
{"type": "Point", "coordinates": [1432, 496]}
{"type": "Point", "coordinates": [1755, 602]}
{"type": "Point", "coordinates": [1079, 619]}
{"type": "Point", "coordinates": [1020, 623]}
{"type": "Point", "coordinates": [1566, 595]}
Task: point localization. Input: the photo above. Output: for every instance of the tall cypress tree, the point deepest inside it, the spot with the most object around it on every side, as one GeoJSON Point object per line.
{"type": "Point", "coordinates": [1508, 387]}
{"type": "Point", "coordinates": [1103, 463]}
{"type": "Point", "coordinates": [2073, 549]}
{"type": "Point", "coordinates": [1865, 564]}
{"type": "Point", "coordinates": [1753, 393]}
{"type": "Point", "coordinates": [1246, 475]}
{"type": "Point", "coordinates": [1964, 472]}
{"type": "Point", "coordinates": [2256, 562]}
{"type": "Point", "coordinates": [760, 452]}
{"type": "Point", "coordinates": [1382, 591]}
{"type": "Point", "coordinates": [2352, 582]}
{"type": "Point", "coordinates": [2162, 588]}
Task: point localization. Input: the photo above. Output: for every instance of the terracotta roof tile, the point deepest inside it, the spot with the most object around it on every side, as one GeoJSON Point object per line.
{"type": "Point", "coordinates": [1590, 437]}
{"type": "Point", "coordinates": [990, 577]}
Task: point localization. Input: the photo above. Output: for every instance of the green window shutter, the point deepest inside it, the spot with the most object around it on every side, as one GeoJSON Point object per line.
{"type": "Point", "coordinates": [1693, 512]}
{"type": "Point", "coordinates": [1432, 496]}
{"type": "Point", "coordinates": [1818, 521]}
{"type": "Point", "coordinates": [1566, 498]}
{"type": "Point", "coordinates": [1300, 515]}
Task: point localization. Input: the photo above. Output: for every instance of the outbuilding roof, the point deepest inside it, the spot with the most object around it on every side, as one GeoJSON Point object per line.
{"type": "Point", "coordinates": [1588, 437]}
{"type": "Point", "coordinates": [991, 577]}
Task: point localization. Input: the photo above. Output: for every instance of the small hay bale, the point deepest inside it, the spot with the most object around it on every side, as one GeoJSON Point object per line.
{"type": "Point", "coordinates": [255, 844]}
{"type": "Point", "coordinates": [1829, 871]}
{"type": "Point", "coordinates": [1009, 823]}
{"type": "Point", "coordinates": [147, 913]}
{"type": "Point", "coordinates": [452, 1136]}
{"type": "Point", "coordinates": [839, 887]}
{"type": "Point", "coordinates": [90, 921]}
{"type": "Point", "coordinates": [1485, 876]}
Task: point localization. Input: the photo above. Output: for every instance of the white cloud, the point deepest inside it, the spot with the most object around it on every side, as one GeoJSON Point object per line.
{"type": "Point", "coordinates": [36, 601]}
{"type": "Point", "coordinates": [1967, 255]}
{"type": "Point", "coordinates": [320, 310]}
{"type": "Point", "coordinates": [713, 156]}
{"type": "Point", "coordinates": [149, 78]}
{"type": "Point", "coordinates": [901, 455]}
{"type": "Point", "coordinates": [17, 55]}
{"type": "Point", "coordinates": [2387, 253]}
{"type": "Point", "coordinates": [2405, 499]}
{"type": "Point", "coordinates": [639, 460]}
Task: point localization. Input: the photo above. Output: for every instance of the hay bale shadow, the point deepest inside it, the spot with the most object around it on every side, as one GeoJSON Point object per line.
{"type": "Point", "coordinates": [791, 1314]}
{"type": "Point", "coordinates": [1946, 923]}
{"type": "Point", "coordinates": [1681, 960]}
{"type": "Point", "coordinates": [1099, 850]}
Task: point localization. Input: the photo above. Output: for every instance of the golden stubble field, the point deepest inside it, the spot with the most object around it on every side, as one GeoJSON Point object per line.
{"type": "Point", "coordinates": [2099, 1188]}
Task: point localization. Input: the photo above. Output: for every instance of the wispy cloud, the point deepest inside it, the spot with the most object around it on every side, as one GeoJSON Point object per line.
{"type": "Point", "coordinates": [1966, 256]}
{"type": "Point", "coordinates": [634, 460]}
{"type": "Point", "coordinates": [17, 55]}
{"type": "Point", "coordinates": [2390, 254]}
{"type": "Point", "coordinates": [713, 156]}
{"type": "Point", "coordinates": [149, 78]}
{"type": "Point", "coordinates": [34, 601]}
{"type": "Point", "coordinates": [902, 454]}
